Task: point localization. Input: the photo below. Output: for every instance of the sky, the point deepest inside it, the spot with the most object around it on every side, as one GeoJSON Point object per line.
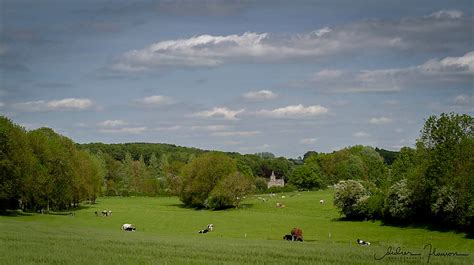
{"type": "Point", "coordinates": [285, 77]}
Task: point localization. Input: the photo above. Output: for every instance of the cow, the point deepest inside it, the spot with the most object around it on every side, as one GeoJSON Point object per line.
{"type": "Point", "coordinates": [363, 243]}
{"type": "Point", "coordinates": [321, 201]}
{"type": "Point", "coordinates": [297, 234]}
{"type": "Point", "coordinates": [104, 213]}
{"type": "Point", "coordinates": [96, 213]}
{"type": "Point", "coordinates": [209, 228]}
{"type": "Point", "coordinates": [128, 227]}
{"type": "Point", "coordinates": [288, 237]}
{"type": "Point", "coordinates": [109, 213]}
{"type": "Point", "coordinates": [280, 205]}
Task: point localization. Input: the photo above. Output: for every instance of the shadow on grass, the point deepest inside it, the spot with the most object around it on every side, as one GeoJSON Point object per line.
{"type": "Point", "coordinates": [182, 206]}
{"type": "Point", "coordinates": [14, 213]}
{"type": "Point", "coordinates": [415, 225]}
{"type": "Point", "coordinates": [18, 213]}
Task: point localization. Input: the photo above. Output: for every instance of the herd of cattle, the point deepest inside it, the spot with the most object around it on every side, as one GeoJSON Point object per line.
{"type": "Point", "coordinates": [296, 234]}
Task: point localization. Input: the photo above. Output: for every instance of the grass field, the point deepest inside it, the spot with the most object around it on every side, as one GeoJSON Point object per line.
{"type": "Point", "coordinates": [167, 234]}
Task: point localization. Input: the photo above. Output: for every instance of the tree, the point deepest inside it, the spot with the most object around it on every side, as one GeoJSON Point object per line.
{"type": "Point", "coordinates": [306, 177]}
{"type": "Point", "coordinates": [447, 142]}
{"type": "Point", "coordinates": [17, 163]}
{"type": "Point", "coordinates": [201, 176]}
{"type": "Point", "coordinates": [229, 192]}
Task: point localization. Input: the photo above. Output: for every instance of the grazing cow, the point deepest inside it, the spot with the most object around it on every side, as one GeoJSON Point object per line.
{"type": "Point", "coordinates": [288, 237]}
{"type": "Point", "coordinates": [321, 201]}
{"type": "Point", "coordinates": [104, 213]}
{"type": "Point", "coordinates": [363, 243]}
{"type": "Point", "coordinates": [209, 228]}
{"type": "Point", "coordinates": [280, 205]}
{"type": "Point", "coordinates": [96, 213]}
{"type": "Point", "coordinates": [128, 227]}
{"type": "Point", "coordinates": [109, 213]}
{"type": "Point", "coordinates": [297, 234]}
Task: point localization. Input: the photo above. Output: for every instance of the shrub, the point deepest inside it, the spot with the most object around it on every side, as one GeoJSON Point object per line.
{"type": "Point", "coordinates": [286, 188]}
{"type": "Point", "coordinates": [350, 196]}
{"type": "Point", "coordinates": [260, 185]}
{"type": "Point", "coordinates": [398, 202]}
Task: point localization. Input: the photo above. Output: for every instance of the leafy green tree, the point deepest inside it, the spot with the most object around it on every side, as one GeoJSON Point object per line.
{"type": "Point", "coordinates": [17, 163]}
{"type": "Point", "coordinates": [306, 177]}
{"type": "Point", "coordinates": [229, 191]}
{"type": "Point", "coordinates": [201, 176]}
{"type": "Point", "coordinates": [448, 143]}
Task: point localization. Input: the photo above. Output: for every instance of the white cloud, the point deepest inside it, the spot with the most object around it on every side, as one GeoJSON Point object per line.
{"type": "Point", "coordinates": [235, 133]}
{"type": "Point", "coordinates": [156, 100]}
{"type": "Point", "coordinates": [455, 65]}
{"type": "Point", "coordinates": [168, 128]}
{"type": "Point", "coordinates": [326, 75]}
{"type": "Point", "coordinates": [112, 123]}
{"type": "Point", "coordinates": [453, 14]}
{"type": "Point", "coordinates": [435, 73]}
{"type": "Point", "coordinates": [125, 130]}
{"type": "Point", "coordinates": [210, 127]}
{"type": "Point", "coordinates": [445, 29]}
{"type": "Point", "coordinates": [308, 141]}
{"type": "Point", "coordinates": [2, 104]}
{"type": "Point", "coordinates": [380, 120]}
{"type": "Point", "coordinates": [219, 112]}
{"type": "Point", "coordinates": [260, 95]}
{"type": "Point", "coordinates": [294, 111]}
{"type": "Point", "coordinates": [67, 104]}
{"type": "Point", "coordinates": [360, 135]}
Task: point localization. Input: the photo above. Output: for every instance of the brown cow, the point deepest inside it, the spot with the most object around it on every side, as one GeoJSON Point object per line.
{"type": "Point", "coordinates": [297, 234]}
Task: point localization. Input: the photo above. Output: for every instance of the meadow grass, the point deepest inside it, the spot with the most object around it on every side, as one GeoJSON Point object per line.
{"type": "Point", "coordinates": [167, 234]}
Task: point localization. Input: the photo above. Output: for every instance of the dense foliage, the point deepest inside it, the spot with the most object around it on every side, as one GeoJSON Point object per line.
{"type": "Point", "coordinates": [432, 183]}
{"type": "Point", "coordinates": [42, 170]}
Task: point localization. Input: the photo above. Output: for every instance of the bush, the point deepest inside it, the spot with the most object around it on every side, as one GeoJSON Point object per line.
{"type": "Point", "coordinates": [370, 207]}
{"type": "Point", "coordinates": [261, 185]}
{"type": "Point", "coordinates": [398, 202]}
{"type": "Point", "coordinates": [286, 188]}
{"type": "Point", "coordinates": [351, 196]}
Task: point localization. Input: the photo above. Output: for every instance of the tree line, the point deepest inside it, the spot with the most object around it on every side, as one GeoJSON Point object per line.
{"type": "Point", "coordinates": [42, 170]}
{"type": "Point", "coordinates": [431, 183]}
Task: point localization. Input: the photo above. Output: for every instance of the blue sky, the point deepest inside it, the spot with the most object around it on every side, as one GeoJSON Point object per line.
{"type": "Point", "coordinates": [249, 76]}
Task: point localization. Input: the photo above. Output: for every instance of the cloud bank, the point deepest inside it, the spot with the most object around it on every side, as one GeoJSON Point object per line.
{"type": "Point", "coordinates": [445, 30]}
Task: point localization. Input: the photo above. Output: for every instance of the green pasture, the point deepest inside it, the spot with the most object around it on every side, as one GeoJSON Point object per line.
{"type": "Point", "coordinates": [167, 234]}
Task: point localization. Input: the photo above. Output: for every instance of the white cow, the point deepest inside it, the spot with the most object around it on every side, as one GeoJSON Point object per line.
{"type": "Point", "coordinates": [128, 227]}
{"type": "Point", "coordinates": [321, 201]}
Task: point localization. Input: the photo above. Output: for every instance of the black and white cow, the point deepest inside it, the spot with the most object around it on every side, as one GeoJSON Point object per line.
{"type": "Point", "coordinates": [363, 243]}
{"type": "Point", "coordinates": [209, 228]}
{"type": "Point", "coordinates": [128, 227]}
